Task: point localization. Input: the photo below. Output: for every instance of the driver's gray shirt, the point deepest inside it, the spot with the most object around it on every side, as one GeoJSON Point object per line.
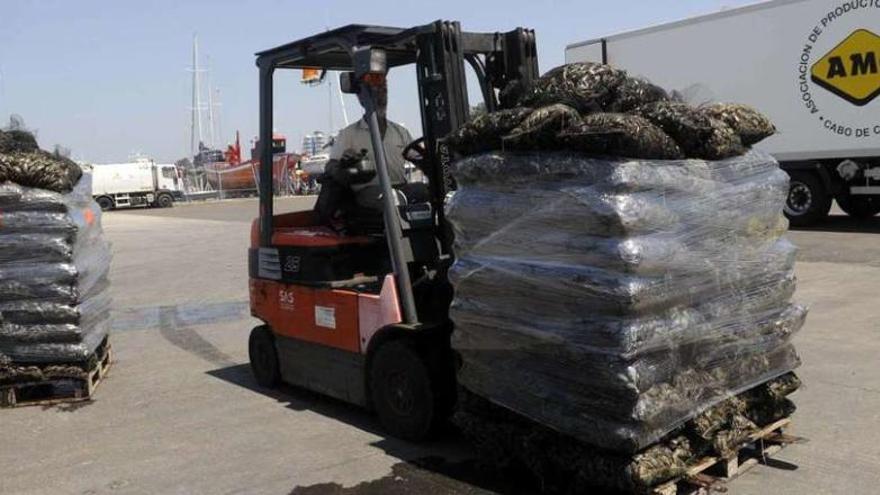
{"type": "Point", "coordinates": [357, 137]}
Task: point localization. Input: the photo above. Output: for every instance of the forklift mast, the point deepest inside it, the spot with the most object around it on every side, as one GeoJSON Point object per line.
{"type": "Point", "coordinates": [439, 51]}
{"type": "Point", "coordinates": [497, 60]}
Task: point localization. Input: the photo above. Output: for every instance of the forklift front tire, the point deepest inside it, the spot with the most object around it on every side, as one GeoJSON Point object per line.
{"type": "Point", "coordinates": [402, 392]}
{"type": "Point", "coordinates": [264, 357]}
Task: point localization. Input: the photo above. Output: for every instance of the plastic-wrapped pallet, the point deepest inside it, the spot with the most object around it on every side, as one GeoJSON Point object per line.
{"type": "Point", "coordinates": [615, 299]}
{"type": "Point", "coordinates": [54, 262]}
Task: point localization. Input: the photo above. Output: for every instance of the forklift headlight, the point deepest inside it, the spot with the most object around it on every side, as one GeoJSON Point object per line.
{"type": "Point", "coordinates": [370, 60]}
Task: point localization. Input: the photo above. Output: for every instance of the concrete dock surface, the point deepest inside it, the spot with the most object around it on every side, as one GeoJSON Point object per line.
{"type": "Point", "coordinates": [179, 412]}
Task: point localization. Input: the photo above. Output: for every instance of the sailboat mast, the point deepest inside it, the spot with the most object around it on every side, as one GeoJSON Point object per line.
{"type": "Point", "coordinates": [196, 122]}
{"type": "Point", "coordinates": [210, 105]}
{"type": "Point", "coordinates": [217, 116]}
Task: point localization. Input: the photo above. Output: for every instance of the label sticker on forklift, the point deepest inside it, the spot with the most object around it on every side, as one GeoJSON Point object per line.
{"type": "Point", "coordinates": [325, 316]}
{"type": "Point", "coordinates": [285, 300]}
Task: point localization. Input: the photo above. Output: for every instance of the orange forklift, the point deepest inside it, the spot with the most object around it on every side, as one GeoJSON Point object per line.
{"type": "Point", "coordinates": [362, 315]}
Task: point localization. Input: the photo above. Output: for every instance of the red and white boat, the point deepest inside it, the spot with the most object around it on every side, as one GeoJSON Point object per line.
{"type": "Point", "coordinates": [232, 175]}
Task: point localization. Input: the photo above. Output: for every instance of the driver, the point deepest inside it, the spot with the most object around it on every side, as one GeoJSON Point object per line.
{"type": "Point", "coordinates": [356, 137]}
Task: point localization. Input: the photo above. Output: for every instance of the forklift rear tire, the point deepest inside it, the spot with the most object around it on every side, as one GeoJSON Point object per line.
{"type": "Point", "coordinates": [402, 392]}
{"type": "Point", "coordinates": [264, 357]}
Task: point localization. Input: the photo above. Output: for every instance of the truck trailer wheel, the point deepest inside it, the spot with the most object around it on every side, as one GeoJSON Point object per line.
{"type": "Point", "coordinates": [808, 201]}
{"type": "Point", "coordinates": [164, 201]}
{"type": "Point", "coordinates": [401, 391]}
{"type": "Point", "coordinates": [859, 206]}
{"type": "Point", "coordinates": [264, 357]}
{"type": "Point", "coordinates": [105, 203]}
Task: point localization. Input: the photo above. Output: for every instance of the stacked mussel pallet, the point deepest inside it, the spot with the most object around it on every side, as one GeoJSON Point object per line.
{"type": "Point", "coordinates": [54, 264]}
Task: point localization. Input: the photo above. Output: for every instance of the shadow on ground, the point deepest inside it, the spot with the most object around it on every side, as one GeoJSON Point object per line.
{"type": "Point", "coordinates": [429, 475]}
{"type": "Point", "coordinates": [300, 399]}
{"type": "Point", "coordinates": [443, 467]}
{"type": "Point", "coordinates": [844, 223]}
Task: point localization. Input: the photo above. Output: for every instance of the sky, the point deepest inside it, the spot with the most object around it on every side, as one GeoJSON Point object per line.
{"type": "Point", "coordinates": [109, 79]}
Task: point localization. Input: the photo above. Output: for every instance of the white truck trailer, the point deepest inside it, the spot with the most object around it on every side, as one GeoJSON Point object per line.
{"type": "Point", "coordinates": [138, 183]}
{"type": "Point", "coordinates": [810, 65]}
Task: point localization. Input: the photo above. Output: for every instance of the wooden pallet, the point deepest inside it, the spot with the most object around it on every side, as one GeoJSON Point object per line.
{"type": "Point", "coordinates": [60, 390]}
{"type": "Point", "coordinates": [710, 473]}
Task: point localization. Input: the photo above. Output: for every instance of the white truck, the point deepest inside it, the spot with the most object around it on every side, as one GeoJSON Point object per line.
{"type": "Point", "coordinates": [813, 66]}
{"type": "Point", "coordinates": [138, 183]}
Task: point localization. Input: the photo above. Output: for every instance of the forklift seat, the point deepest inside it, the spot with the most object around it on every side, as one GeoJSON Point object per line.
{"type": "Point", "coordinates": [300, 229]}
{"type": "Point", "coordinates": [315, 236]}
{"type": "Point", "coordinates": [313, 254]}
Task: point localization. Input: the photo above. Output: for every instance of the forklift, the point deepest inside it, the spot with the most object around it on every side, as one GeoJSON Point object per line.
{"type": "Point", "coordinates": [363, 317]}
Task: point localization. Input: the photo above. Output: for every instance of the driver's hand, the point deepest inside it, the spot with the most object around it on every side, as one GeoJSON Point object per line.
{"type": "Point", "coordinates": [415, 152]}
{"type": "Point", "coordinates": [351, 156]}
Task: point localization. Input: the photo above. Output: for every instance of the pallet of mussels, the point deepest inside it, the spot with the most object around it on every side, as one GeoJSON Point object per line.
{"type": "Point", "coordinates": [710, 473]}
{"type": "Point", "coordinates": [54, 288]}
{"type": "Point", "coordinates": [47, 384]}
{"type": "Point", "coordinates": [698, 457]}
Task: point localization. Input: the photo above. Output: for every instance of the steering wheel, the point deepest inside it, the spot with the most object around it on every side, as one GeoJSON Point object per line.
{"type": "Point", "coordinates": [416, 153]}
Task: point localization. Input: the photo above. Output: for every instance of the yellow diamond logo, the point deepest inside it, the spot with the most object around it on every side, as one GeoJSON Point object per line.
{"type": "Point", "coordinates": [850, 69]}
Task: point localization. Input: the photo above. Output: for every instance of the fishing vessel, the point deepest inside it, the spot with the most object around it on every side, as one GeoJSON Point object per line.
{"type": "Point", "coordinates": [227, 173]}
